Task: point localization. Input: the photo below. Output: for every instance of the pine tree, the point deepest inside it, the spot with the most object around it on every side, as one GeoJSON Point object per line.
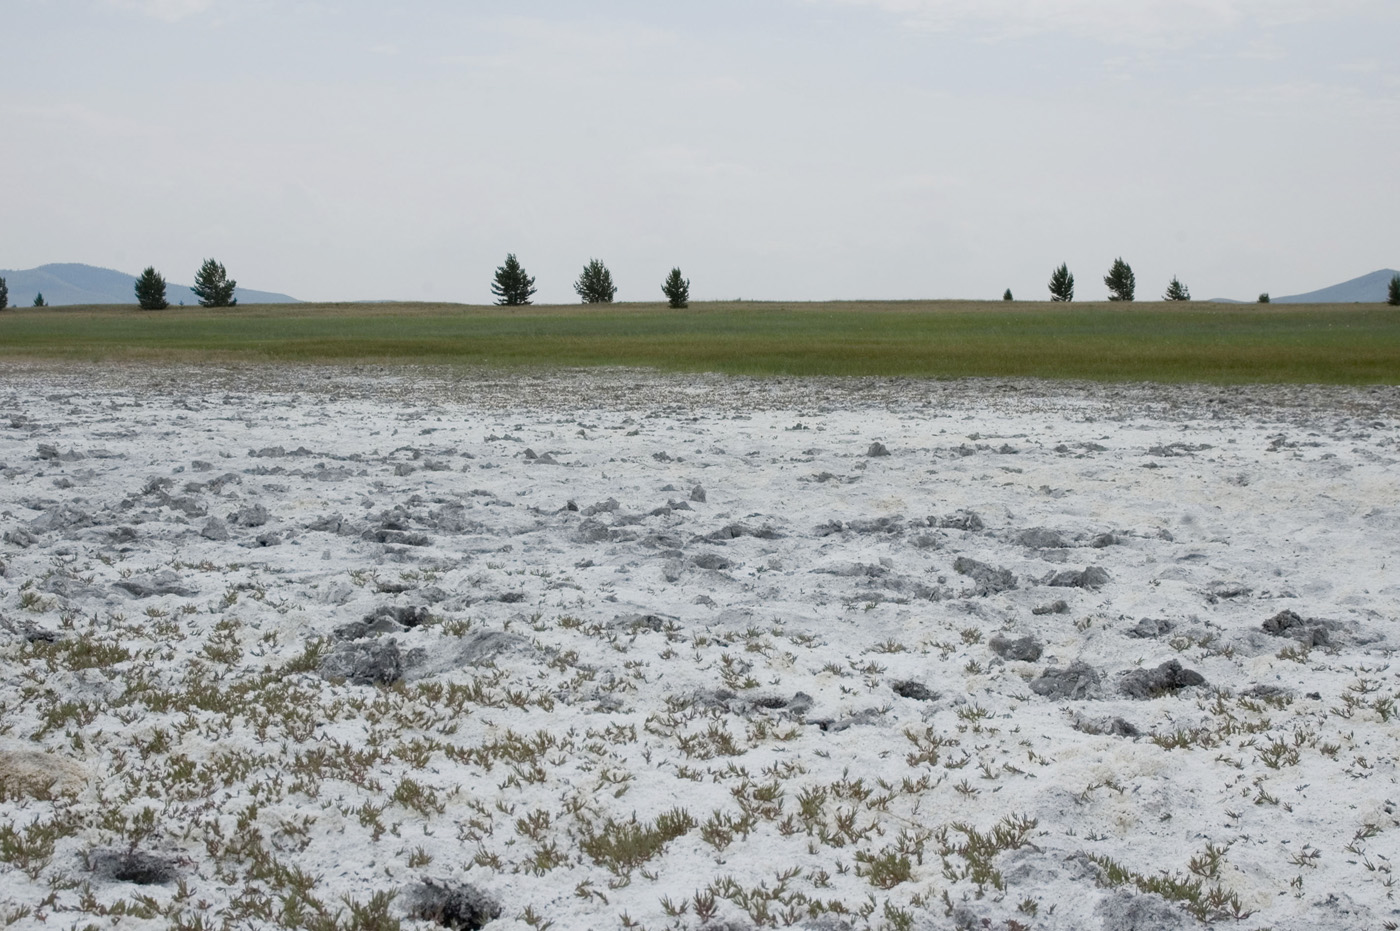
{"type": "Point", "coordinates": [595, 284]}
{"type": "Point", "coordinates": [1264, 298]}
{"type": "Point", "coordinates": [213, 286]}
{"type": "Point", "coordinates": [4, 294]}
{"type": "Point", "coordinates": [1176, 291]}
{"type": "Point", "coordinates": [1007, 296]}
{"type": "Point", "coordinates": [676, 289]}
{"type": "Point", "coordinates": [1062, 284]}
{"type": "Point", "coordinates": [150, 290]}
{"type": "Point", "coordinates": [39, 300]}
{"type": "Point", "coordinates": [512, 287]}
{"type": "Point", "coordinates": [1120, 281]}
{"type": "Point", "coordinates": [1393, 298]}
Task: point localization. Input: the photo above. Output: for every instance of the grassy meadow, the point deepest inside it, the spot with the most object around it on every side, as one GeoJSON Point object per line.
{"type": "Point", "coordinates": [1331, 344]}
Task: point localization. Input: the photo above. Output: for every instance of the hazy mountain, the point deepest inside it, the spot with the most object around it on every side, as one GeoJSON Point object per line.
{"type": "Point", "coordinates": [1368, 289]}
{"type": "Point", "coordinates": [70, 283]}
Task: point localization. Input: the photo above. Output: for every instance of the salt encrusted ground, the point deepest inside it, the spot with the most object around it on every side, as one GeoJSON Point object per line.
{"type": "Point", "coordinates": [789, 679]}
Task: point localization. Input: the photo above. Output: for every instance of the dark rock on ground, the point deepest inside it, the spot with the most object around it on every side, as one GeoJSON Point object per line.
{"type": "Point", "coordinates": [735, 531]}
{"type": "Point", "coordinates": [859, 718]}
{"type": "Point", "coordinates": [1104, 539]}
{"type": "Point", "coordinates": [1165, 679]}
{"type": "Point", "coordinates": [164, 582]}
{"type": "Point", "coordinates": [908, 688]}
{"type": "Point", "coordinates": [253, 516]}
{"type": "Point", "coordinates": [697, 494]}
{"type": "Point", "coordinates": [1218, 590]}
{"type": "Point", "coordinates": [876, 525]}
{"type": "Point", "coordinates": [1091, 577]}
{"type": "Point", "coordinates": [373, 662]}
{"type": "Point", "coordinates": [1149, 627]}
{"type": "Point", "coordinates": [962, 520]}
{"type": "Point", "coordinates": [711, 561]}
{"type": "Point", "coordinates": [459, 907]}
{"type": "Point", "coordinates": [485, 645]}
{"type": "Point", "coordinates": [1055, 607]}
{"type": "Point", "coordinates": [1023, 649]}
{"type": "Point", "coordinates": [215, 529]}
{"type": "Point", "coordinates": [1290, 624]}
{"type": "Point", "coordinates": [396, 537]}
{"type": "Point", "coordinates": [1041, 538]}
{"type": "Point", "coordinates": [132, 866]}
{"type": "Point", "coordinates": [877, 449]}
{"type": "Point", "coordinates": [1077, 681]}
{"type": "Point", "coordinates": [1111, 727]}
{"type": "Point", "coordinates": [989, 579]}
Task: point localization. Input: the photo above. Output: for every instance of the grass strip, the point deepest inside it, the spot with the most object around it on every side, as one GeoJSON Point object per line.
{"type": "Point", "coordinates": [1223, 344]}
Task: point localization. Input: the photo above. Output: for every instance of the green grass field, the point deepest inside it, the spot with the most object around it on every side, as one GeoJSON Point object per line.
{"type": "Point", "coordinates": [1334, 344]}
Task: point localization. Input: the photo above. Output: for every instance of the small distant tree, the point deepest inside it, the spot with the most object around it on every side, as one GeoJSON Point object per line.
{"type": "Point", "coordinates": [1120, 281]}
{"type": "Point", "coordinates": [676, 289]}
{"type": "Point", "coordinates": [1264, 298]}
{"type": "Point", "coordinates": [1007, 296]}
{"type": "Point", "coordinates": [1176, 291]}
{"type": "Point", "coordinates": [1062, 284]}
{"type": "Point", "coordinates": [150, 290]}
{"type": "Point", "coordinates": [512, 287]}
{"type": "Point", "coordinates": [595, 284]}
{"type": "Point", "coordinates": [213, 286]}
{"type": "Point", "coordinates": [1393, 299]}
{"type": "Point", "coordinates": [4, 294]}
{"type": "Point", "coordinates": [39, 300]}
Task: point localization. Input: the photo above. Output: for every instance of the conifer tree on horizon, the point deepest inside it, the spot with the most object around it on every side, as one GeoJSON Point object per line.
{"type": "Point", "coordinates": [676, 289]}
{"type": "Point", "coordinates": [1007, 296]}
{"type": "Point", "coordinates": [213, 286]}
{"type": "Point", "coordinates": [4, 294]}
{"type": "Point", "coordinates": [39, 300]}
{"type": "Point", "coordinates": [150, 290]}
{"type": "Point", "coordinates": [1392, 297]}
{"type": "Point", "coordinates": [1062, 284]}
{"type": "Point", "coordinates": [1120, 281]}
{"type": "Point", "coordinates": [1264, 298]}
{"type": "Point", "coordinates": [595, 284]}
{"type": "Point", "coordinates": [512, 287]}
{"type": "Point", "coordinates": [1176, 291]}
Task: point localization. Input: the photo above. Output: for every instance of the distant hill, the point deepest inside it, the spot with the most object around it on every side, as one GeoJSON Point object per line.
{"type": "Point", "coordinates": [70, 283]}
{"type": "Point", "coordinates": [1368, 289]}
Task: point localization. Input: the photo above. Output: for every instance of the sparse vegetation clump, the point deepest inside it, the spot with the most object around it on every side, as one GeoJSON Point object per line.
{"type": "Point", "coordinates": [595, 284]}
{"type": "Point", "coordinates": [213, 286]}
{"type": "Point", "coordinates": [512, 286]}
{"type": "Point", "coordinates": [150, 290]}
{"type": "Point", "coordinates": [676, 289]}
{"type": "Point", "coordinates": [1120, 281]}
{"type": "Point", "coordinates": [1176, 291]}
{"type": "Point", "coordinates": [1062, 285]}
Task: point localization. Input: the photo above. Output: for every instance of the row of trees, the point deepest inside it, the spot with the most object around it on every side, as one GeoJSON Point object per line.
{"type": "Point", "coordinates": [5, 296]}
{"type": "Point", "coordinates": [212, 286]}
{"type": "Point", "coordinates": [1122, 285]}
{"type": "Point", "coordinates": [1121, 282]}
{"type": "Point", "coordinates": [512, 287]}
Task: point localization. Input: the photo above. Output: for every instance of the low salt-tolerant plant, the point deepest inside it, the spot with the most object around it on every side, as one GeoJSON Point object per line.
{"type": "Point", "coordinates": [622, 846]}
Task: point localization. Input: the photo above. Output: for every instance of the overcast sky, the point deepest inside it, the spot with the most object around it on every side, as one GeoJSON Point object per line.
{"type": "Point", "coordinates": [773, 149]}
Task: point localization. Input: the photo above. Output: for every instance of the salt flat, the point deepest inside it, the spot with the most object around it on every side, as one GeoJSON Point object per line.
{"type": "Point", "coordinates": [343, 647]}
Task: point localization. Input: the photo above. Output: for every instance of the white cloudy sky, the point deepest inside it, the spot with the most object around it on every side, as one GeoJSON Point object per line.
{"type": "Point", "coordinates": [774, 149]}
